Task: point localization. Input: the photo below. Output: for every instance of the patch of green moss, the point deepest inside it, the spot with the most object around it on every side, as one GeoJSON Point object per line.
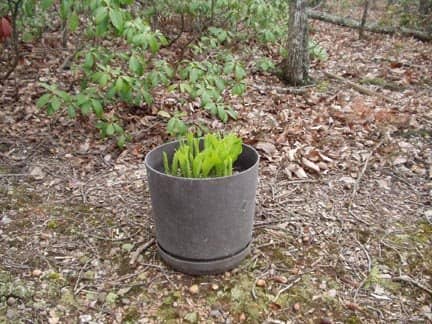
{"type": "Point", "coordinates": [131, 315]}
{"type": "Point", "coordinates": [322, 86]}
{"type": "Point", "coordinates": [382, 83]}
{"type": "Point", "coordinates": [415, 133]}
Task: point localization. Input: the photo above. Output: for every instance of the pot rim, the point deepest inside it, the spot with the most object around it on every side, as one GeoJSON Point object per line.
{"type": "Point", "coordinates": [199, 179]}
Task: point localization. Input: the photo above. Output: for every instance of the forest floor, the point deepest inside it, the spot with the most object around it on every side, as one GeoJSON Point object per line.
{"type": "Point", "coordinates": [347, 242]}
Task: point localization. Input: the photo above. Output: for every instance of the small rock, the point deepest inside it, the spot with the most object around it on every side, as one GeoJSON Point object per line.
{"type": "Point", "coordinates": [242, 317]}
{"type": "Point", "coordinates": [6, 220]}
{"type": "Point", "coordinates": [326, 320]}
{"type": "Point", "coordinates": [215, 313]}
{"type": "Point", "coordinates": [11, 314]}
{"type": "Point", "coordinates": [85, 318]}
{"type": "Point", "coordinates": [428, 214]}
{"type": "Point", "coordinates": [37, 173]}
{"type": "Point", "coordinates": [36, 272]}
{"type": "Point", "coordinates": [261, 283]}
{"type": "Point", "coordinates": [214, 286]}
{"type": "Point", "coordinates": [11, 301]}
{"type": "Point", "coordinates": [194, 289]}
{"type": "Point", "coordinates": [332, 293]}
{"type": "Point", "coordinates": [296, 307]}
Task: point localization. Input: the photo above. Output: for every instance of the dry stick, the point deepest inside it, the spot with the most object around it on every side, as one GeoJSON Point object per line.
{"type": "Point", "coordinates": [373, 27]}
{"type": "Point", "coordinates": [66, 63]}
{"type": "Point", "coordinates": [359, 88]}
{"type": "Point", "coordinates": [15, 175]}
{"type": "Point", "coordinates": [367, 255]}
{"type": "Point", "coordinates": [413, 282]}
{"type": "Point", "coordinates": [361, 174]}
{"type": "Point", "coordinates": [76, 290]}
{"type": "Point", "coordinates": [286, 288]}
{"type": "Point", "coordinates": [142, 248]}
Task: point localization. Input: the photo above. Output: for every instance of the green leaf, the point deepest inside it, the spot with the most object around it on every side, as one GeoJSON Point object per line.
{"type": "Point", "coordinates": [89, 61]}
{"type": "Point", "coordinates": [165, 163]}
{"type": "Point", "coordinates": [81, 99]}
{"type": "Point", "coordinates": [220, 83]}
{"type": "Point", "coordinates": [147, 97]}
{"type": "Point", "coordinates": [135, 65]}
{"type": "Point", "coordinates": [239, 89]}
{"type": "Point", "coordinates": [185, 87]}
{"type": "Point", "coordinates": [109, 130]}
{"type": "Point", "coordinates": [229, 67]}
{"type": "Point", "coordinates": [73, 22]}
{"type": "Point", "coordinates": [97, 107]}
{"type": "Point", "coordinates": [116, 19]}
{"type": "Point", "coordinates": [153, 44]}
{"type": "Point", "coordinates": [71, 112]}
{"type": "Point", "coordinates": [101, 77]}
{"type": "Point", "coordinates": [120, 85]}
{"type": "Point", "coordinates": [101, 15]}
{"type": "Point", "coordinates": [117, 128]}
{"type": "Point", "coordinates": [222, 113]}
{"type": "Point", "coordinates": [239, 72]}
{"type": "Point", "coordinates": [42, 101]}
{"type": "Point", "coordinates": [86, 108]}
{"type": "Point", "coordinates": [121, 141]}
{"type": "Point", "coordinates": [45, 4]}
{"type": "Point", "coordinates": [55, 104]}
{"type": "Point", "coordinates": [193, 75]}
{"type": "Point", "coordinates": [232, 113]}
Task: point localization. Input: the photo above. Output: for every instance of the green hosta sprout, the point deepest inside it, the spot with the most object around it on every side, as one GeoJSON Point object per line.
{"type": "Point", "coordinates": [215, 157]}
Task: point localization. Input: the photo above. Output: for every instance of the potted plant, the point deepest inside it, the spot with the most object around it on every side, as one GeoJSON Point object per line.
{"type": "Point", "coordinates": [203, 199]}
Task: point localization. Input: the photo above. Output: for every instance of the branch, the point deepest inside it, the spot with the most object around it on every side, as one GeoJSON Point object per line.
{"type": "Point", "coordinates": [358, 87]}
{"type": "Point", "coordinates": [374, 28]}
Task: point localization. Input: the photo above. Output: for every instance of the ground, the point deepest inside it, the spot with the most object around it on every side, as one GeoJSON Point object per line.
{"type": "Point", "coordinates": [349, 241]}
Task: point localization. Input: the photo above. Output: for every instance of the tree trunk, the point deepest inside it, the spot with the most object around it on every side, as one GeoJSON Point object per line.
{"type": "Point", "coordinates": [363, 19]}
{"type": "Point", "coordinates": [375, 28]}
{"type": "Point", "coordinates": [296, 65]}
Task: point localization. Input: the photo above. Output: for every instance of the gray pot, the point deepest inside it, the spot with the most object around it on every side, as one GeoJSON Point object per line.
{"type": "Point", "coordinates": [203, 226]}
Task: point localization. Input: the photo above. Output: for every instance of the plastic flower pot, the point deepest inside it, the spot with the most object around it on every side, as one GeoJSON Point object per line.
{"type": "Point", "coordinates": [204, 225]}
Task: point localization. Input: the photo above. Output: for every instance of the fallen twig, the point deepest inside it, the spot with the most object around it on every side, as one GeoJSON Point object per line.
{"type": "Point", "coordinates": [358, 87]}
{"type": "Point", "coordinates": [286, 288]}
{"type": "Point", "coordinates": [140, 250]}
{"type": "Point", "coordinates": [282, 90]}
{"type": "Point", "coordinates": [410, 280]}
{"type": "Point", "coordinates": [361, 174]}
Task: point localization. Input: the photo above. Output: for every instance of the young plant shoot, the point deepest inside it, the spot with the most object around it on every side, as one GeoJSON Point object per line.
{"type": "Point", "coordinates": [215, 159]}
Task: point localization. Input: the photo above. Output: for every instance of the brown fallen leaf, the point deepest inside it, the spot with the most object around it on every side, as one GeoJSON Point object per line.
{"type": "Point", "coordinates": [352, 306]}
{"type": "Point", "coordinates": [261, 283]}
{"type": "Point", "coordinates": [310, 165]}
{"type": "Point", "coordinates": [280, 279]}
{"type": "Point", "coordinates": [274, 306]}
{"type": "Point", "coordinates": [194, 289]}
{"type": "Point", "coordinates": [297, 170]}
{"type": "Point", "coordinates": [267, 147]}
